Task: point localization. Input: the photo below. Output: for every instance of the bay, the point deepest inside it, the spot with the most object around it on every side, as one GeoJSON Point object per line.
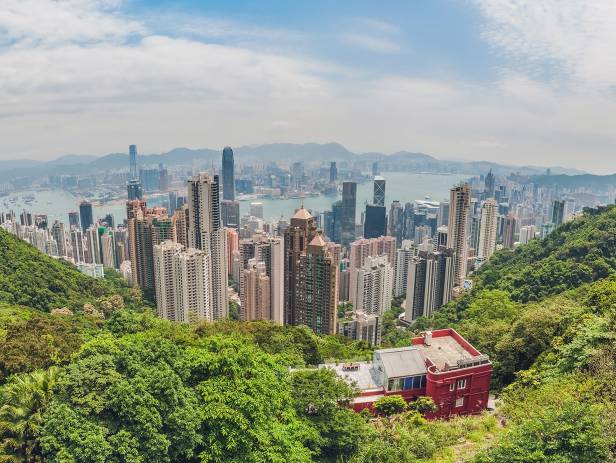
{"type": "Point", "coordinates": [400, 186]}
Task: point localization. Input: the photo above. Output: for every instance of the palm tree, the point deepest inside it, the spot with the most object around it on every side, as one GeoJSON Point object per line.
{"type": "Point", "coordinates": [22, 403]}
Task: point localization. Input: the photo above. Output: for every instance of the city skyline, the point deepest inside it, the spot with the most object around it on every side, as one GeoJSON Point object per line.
{"type": "Point", "coordinates": [524, 83]}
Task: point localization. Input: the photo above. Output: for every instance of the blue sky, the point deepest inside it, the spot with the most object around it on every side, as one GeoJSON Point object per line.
{"type": "Point", "coordinates": [407, 37]}
{"type": "Point", "coordinates": [515, 81]}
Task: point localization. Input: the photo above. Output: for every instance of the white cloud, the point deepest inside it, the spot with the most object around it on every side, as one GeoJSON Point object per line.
{"type": "Point", "coordinates": [576, 36]}
{"type": "Point", "coordinates": [375, 44]}
{"type": "Point", "coordinates": [104, 81]}
{"type": "Point", "coordinates": [26, 23]}
{"type": "Point", "coordinates": [371, 34]}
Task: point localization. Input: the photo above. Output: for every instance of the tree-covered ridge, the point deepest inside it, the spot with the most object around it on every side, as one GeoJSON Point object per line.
{"type": "Point", "coordinates": [32, 279]}
{"type": "Point", "coordinates": [576, 252]}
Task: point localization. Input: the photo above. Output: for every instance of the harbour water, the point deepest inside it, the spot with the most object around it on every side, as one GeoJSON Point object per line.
{"type": "Point", "coordinates": [400, 186]}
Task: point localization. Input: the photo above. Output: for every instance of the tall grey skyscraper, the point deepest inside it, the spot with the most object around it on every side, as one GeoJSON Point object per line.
{"type": "Point", "coordinates": [230, 213]}
{"type": "Point", "coordinates": [59, 236]}
{"type": "Point", "coordinates": [132, 159]}
{"type": "Point", "coordinates": [85, 213]}
{"type": "Point", "coordinates": [228, 174]}
{"type": "Point", "coordinates": [396, 220]}
{"type": "Point", "coordinates": [205, 233]}
{"type": "Point", "coordinates": [134, 190]}
{"type": "Point", "coordinates": [490, 184]}
{"type": "Point", "coordinates": [349, 201]}
{"type": "Point", "coordinates": [458, 228]}
{"type": "Point", "coordinates": [558, 211]}
{"type": "Point", "coordinates": [333, 172]}
{"type": "Point", "coordinates": [379, 191]}
{"type": "Point", "coordinates": [429, 283]}
{"type": "Point", "coordinates": [375, 221]}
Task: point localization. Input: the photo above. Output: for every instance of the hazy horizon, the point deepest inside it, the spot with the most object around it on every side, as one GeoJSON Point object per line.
{"type": "Point", "coordinates": [255, 145]}
{"type": "Point", "coordinates": [517, 83]}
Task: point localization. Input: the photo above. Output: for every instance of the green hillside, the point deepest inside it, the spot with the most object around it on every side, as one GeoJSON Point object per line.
{"type": "Point", "coordinates": [31, 278]}
{"type": "Point", "coordinates": [576, 252]}
{"type": "Point", "coordinates": [116, 384]}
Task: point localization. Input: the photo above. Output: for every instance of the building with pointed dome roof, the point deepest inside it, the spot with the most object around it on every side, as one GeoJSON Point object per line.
{"type": "Point", "coordinates": [316, 289]}
{"type": "Point", "coordinates": [300, 232]}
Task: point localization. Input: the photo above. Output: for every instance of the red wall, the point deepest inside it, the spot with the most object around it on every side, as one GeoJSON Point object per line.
{"type": "Point", "coordinates": [475, 394]}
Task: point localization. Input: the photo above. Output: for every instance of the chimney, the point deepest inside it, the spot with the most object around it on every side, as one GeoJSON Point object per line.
{"type": "Point", "coordinates": [428, 338]}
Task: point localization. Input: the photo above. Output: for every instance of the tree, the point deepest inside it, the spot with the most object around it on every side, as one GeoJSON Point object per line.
{"type": "Point", "coordinates": [572, 433]}
{"type": "Point", "coordinates": [144, 397]}
{"type": "Point", "coordinates": [390, 405]}
{"type": "Point", "coordinates": [322, 399]}
{"type": "Point", "coordinates": [23, 401]}
{"type": "Point", "coordinates": [423, 405]}
{"type": "Point", "coordinates": [38, 341]}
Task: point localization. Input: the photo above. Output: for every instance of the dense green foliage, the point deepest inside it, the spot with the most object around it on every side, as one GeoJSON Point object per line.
{"type": "Point", "coordinates": [30, 278]}
{"type": "Point", "coordinates": [390, 405]}
{"type": "Point", "coordinates": [113, 383]}
{"type": "Point", "coordinates": [577, 252]}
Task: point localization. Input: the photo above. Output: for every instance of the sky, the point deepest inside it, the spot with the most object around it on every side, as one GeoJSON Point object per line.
{"type": "Point", "coordinates": [511, 81]}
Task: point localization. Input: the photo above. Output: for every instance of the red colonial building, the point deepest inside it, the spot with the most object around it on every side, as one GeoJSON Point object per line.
{"type": "Point", "coordinates": [440, 364]}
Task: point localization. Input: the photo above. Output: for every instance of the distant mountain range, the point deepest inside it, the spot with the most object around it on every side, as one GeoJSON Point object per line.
{"type": "Point", "coordinates": [276, 152]}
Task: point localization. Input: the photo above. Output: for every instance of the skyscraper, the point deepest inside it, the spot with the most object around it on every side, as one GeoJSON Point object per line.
{"type": "Point", "coordinates": [132, 159]}
{"type": "Point", "coordinates": [396, 221]}
{"type": "Point", "coordinates": [206, 233]}
{"type": "Point", "coordinates": [233, 244]}
{"type": "Point", "coordinates": [85, 213]}
{"type": "Point", "coordinates": [163, 178]}
{"type": "Point", "coordinates": [558, 211]}
{"type": "Point", "coordinates": [458, 228]}
{"type": "Point", "coordinates": [164, 276]}
{"type": "Point", "coordinates": [361, 249]}
{"type": "Point", "coordinates": [407, 251]}
{"type": "Point", "coordinates": [77, 246]}
{"type": "Point", "coordinates": [146, 228]}
{"type": "Point", "coordinates": [300, 232]}
{"type": "Point", "coordinates": [180, 222]}
{"type": "Point", "coordinates": [487, 229]}
{"type": "Point", "coordinates": [269, 250]}
{"type": "Point", "coordinates": [59, 236]}
{"type": "Point", "coordinates": [263, 255]}
{"type": "Point", "coordinates": [429, 283]}
{"type": "Point", "coordinates": [332, 222]}
{"type": "Point", "coordinates": [134, 190]}
{"type": "Point", "coordinates": [255, 292]}
{"type": "Point", "coordinates": [228, 174]}
{"type": "Point", "coordinates": [349, 201]}
{"type": "Point", "coordinates": [230, 212]}
{"type": "Point", "coordinates": [297, 175]}
{"type": "Point", "coordinates": [375, 221]}
{"type": "Point", "coordinates": [371, 286]}
{"type": "Point", "coordinates": [316, 288]}
{"type": "Point", "coordinates": [333, 172]}
{"type": "Point", "coordinates": [509, 229]}
{"type": "Point", "coordinates": [490, 184]}
{"type": "Point", "coordinates": [73, 219]}
{"type": "Point", "coordinates": [256, 209]}
{"type": "Point", "coordinates": [379, 191]}
{"type": "Point", "coordinates": [182, 283]}
{"type": "Point", "coordinates": [108, 248]}
{"type": "Point", "coordinates": [443, 214]}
